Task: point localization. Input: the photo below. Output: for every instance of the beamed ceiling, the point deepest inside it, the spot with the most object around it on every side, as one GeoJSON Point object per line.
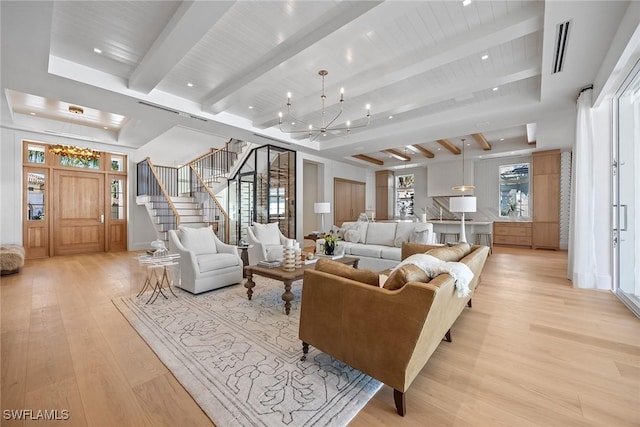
{"type": "Point", "coordinates": [434, 72]}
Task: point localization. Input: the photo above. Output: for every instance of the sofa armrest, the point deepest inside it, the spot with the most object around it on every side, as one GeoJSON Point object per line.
{"type": "Point", "coordinates": [372, 329]}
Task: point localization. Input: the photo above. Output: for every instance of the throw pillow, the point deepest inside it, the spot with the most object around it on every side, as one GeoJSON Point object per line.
{"type": "Point", "coordinates": [453, 253]}
{"type": "Point", "coordinates": [351, 236]}
{"type": "Point", "coordinates": [420, 236]}
{"type": "Point", "coordinates": [267, 234]}
{"type": "Point", "coordinates": [348, 272]}
{"type": "Point", "coordinates": [382, 278]}
{"type": "Point", "coordinates": [199, 240]}
{"type": "Point", "coordinates": [404, 274]}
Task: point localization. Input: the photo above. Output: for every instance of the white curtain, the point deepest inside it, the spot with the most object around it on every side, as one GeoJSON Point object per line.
{"type": "Point", "coordinates": [582, 269]}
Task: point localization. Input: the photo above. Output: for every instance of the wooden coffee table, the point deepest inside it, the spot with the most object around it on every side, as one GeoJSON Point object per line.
{"type": "Point", "coordinates": [287, 277]}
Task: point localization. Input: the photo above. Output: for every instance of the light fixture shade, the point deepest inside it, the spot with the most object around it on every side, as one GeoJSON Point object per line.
{"type": "Point", "coordinates": [322, 207]}
{"type": "Point", "coordinates": [462, 204]}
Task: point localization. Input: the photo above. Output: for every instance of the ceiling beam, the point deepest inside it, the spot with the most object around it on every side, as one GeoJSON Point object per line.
{"type": "Point", "coordinates": [428, 154]}
{"type": "Point", "coordinates": [191, 21]}
{"type": "Point", "coordinates": [309, 35]}
{"type": "Point", "coordinates": [482, 141]}
{"type": "Point", "coordinates": [529, 20]}
{"type": "Point", "coordinates": [449, 146]}
{"type": "Point", "coordinates": [398, 155]}
{"type": "Point", "coordinates": [368, 159]}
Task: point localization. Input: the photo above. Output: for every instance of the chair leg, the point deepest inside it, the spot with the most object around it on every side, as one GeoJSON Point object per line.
{"type": "Point", "coordinates": [447, 336]}
{"type": "Point", "coordinates": [305, 351]}
{"type": "Point", "coordinates": [401, 406]}
{"type": "Point", "coordinates": [469, 304]}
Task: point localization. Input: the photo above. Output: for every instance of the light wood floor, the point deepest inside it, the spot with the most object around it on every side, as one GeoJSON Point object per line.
{"type": "Point", "coordinates": [532, 351]}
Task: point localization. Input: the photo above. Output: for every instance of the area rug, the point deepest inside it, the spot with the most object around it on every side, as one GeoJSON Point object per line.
{"type": "Point", "coordinates": [240, 359]}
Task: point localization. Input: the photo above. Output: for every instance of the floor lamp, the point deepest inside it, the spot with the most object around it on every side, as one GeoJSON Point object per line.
{"type": "Point", "coordinates": [462, 204]}
{"type": "Point", "coordinates": [322, 208]}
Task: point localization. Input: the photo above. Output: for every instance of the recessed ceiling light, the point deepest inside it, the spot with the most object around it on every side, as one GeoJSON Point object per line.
{"type": "Point", "coordinates": [105, 128]}
{"type": "Point", "coordinates": [391, 117]}
{"type": "Point", "coordinates": [250, 107]}
{"type": "Point", "coordinates": [501, 139]}
{"type": "Point", "coordinates": [468, 144]}
{"type": "Point", "coordinates": [466, 3]}
{"type": "Point", "coordinates": [479, 157]}
{"type": "Point", "coordinates": [293, 123]}
{"type": "Point", "coordinates": [495, 89]}
{"type": "Point", "coordinates": [190, 84]}
{"type": "Point", "coordinates": [32, 113]}
{"type": "Point", "coordinates": [485, 57]}
{"type": "Point", "coordinates": [438, 148]}
{"type": "Point", "coordinates": [96, 50]}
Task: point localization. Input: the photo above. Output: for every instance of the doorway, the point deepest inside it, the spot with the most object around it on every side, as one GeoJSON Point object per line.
{"type": "Point", "coordinates": [626, 203]}
{"type": "Point", "coordinates": [78, 219]}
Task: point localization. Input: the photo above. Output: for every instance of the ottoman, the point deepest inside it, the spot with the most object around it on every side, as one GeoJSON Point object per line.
{"type": "Point", "coordinates": [11, 259]}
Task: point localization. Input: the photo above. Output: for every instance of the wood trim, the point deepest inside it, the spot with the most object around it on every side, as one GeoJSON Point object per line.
{"type": "Point", "coordinates": [349, 181]}
{"type": "Point", "coordinates": [368, 159]}
{"type": "Point", "coordinates": [449, 146]}
{"type": "Point", "coordinates": [482, 141]}
{"type": "Point", "coordinates": [428, 154]}
{"type": "Point", "coordinates": [52, 164]}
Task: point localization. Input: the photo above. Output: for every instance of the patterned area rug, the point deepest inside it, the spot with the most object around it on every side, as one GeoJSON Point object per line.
{"type": "Point", "coordinates": [240, 359]}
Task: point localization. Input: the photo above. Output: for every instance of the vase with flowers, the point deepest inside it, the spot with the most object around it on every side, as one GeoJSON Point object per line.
{"type": "Point", "coordinates": [330, 243]}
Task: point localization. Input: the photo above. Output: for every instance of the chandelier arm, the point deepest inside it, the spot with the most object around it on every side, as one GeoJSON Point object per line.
{"type": "Point", "coordinates": [334, 119]}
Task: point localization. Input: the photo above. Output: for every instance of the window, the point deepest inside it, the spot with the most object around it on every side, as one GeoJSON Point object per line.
{"type": "Point", "coordinates": [514, 190]}
{"type": "Point", "coordinates": [404, 195]}
{"type": "Point", "coordinates": [35, 196]}
{"type": "Point", "coordinates": [35, 153]}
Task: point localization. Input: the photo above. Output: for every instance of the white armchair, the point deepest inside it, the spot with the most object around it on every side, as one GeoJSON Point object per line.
{"type": "Point", "coordinates": [206, 263]}
{"type": "Point", "coordinates": [266, 242]}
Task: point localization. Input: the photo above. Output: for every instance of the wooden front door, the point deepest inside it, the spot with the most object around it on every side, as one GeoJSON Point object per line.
{"type": "Point", "coordinates": [78, 212]}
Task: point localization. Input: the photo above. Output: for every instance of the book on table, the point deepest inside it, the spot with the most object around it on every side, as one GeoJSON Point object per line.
{"type": "Point", "coordinates": [270, 264]}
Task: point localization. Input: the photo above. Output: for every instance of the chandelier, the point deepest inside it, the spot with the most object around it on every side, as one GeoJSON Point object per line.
{"type": "Point", "coordinates": [463, 187]}
{"type": "Point", "coordinates": [71, 151]}
{"type": "Point", "coordinates": [327, 125]}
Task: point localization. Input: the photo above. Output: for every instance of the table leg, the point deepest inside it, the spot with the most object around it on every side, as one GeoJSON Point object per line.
{"type": "Point", "coordinates": [249, 284]}
{"type": "Point", "coordinates": [355, 263]}
{"type": "Point", "coordinates": [287, 296]}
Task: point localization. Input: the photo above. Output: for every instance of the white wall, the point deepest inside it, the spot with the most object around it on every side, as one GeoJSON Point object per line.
{"type": "Point", "coordinates": [11, 185]}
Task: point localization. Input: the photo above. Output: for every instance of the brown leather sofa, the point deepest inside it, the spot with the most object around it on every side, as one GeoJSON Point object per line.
{"type": "Point", "coordinates": [387, 334]}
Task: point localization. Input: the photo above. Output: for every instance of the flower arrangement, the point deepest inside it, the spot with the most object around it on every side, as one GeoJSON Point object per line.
{"type": "Point", "coordinates": [330, 243]}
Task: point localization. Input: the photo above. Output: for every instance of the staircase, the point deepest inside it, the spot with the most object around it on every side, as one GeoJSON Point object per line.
{"type": "Point", "coordinates": [186, 195]}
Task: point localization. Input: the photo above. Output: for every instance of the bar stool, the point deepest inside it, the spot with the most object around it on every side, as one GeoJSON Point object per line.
{"type": "Point", "coordinates": [484, 239]}
{"type": "Point", "coordinates": [446, 236]}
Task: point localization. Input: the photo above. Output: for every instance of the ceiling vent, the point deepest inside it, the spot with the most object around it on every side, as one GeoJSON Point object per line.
{"type": "Point", "coordinates": [171, 110]}
{"type": "Point", "coordinates": [560, 48]}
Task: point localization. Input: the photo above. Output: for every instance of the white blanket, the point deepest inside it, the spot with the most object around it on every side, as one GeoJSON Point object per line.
{"type": "Point", "coordinates": [433, 266]}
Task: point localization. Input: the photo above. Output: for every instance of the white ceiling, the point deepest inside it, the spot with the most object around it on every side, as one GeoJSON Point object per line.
{"type": "Point", "coordinates": [417, 61]}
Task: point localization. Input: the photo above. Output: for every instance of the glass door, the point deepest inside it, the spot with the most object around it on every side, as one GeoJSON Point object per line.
{"type": "Point", "coordinates": [246, 204]}
{"type": "Point", "coordinates": [626, 203]}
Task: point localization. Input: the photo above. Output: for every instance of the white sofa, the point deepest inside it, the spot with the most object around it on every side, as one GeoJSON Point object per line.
{"type": "Point", "coordinates": [379, 244]}
{"type": "Point", "coordinates": [206, 263]}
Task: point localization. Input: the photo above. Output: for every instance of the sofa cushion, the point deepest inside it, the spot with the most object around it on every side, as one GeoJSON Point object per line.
{"type": "Point", "coordinates": [381, 233]}
{"type": "Point", "coordinates": [370, 251]}
{"type": "Point", "coordinates": [451, 253]}
{"type": "Point", "coordinates": [198, 240]}
{"type": "Point", "coordinates": [210, 262]}
{"type": "Point", "coordinates": [352, 236]}
{"type": "Point", "coordinates": [391, 253]}
{"type": "Point", "coordinates": [343, 270]}
{"type": "Point", "coordinates": [267, 234]}
{"type": "Point", "coordinates": [404, 274]}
